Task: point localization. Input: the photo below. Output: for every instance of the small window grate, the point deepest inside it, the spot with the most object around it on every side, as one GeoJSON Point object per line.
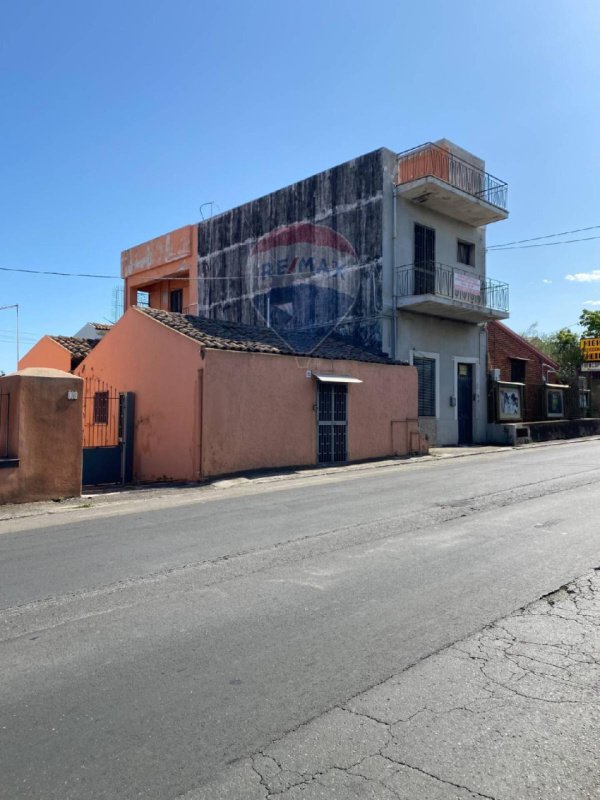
{"type": "Point", "coordinates": [101, 400]}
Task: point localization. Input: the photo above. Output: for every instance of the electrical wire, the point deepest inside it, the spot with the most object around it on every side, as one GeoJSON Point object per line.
{"type": "Point", "coordinates": [547, 236]}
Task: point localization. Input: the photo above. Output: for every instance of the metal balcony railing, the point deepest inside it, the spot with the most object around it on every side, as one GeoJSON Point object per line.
{"type": "Point", "coordinates": [432, 160]}
{"type": "Point", "coordinates": [455, 284]}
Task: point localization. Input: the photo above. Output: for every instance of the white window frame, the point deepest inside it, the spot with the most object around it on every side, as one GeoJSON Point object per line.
{"type": "Point", "coordinates": [435, 357]}
{"type": "Point", "coordinates": [466, 360]}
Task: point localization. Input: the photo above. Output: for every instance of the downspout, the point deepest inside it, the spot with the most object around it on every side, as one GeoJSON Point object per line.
{"type": "Point", "coordinates": [394, 304]}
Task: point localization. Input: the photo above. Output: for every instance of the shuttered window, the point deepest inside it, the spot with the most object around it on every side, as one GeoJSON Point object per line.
{"type": "Point", "coordinates": [426, 372]}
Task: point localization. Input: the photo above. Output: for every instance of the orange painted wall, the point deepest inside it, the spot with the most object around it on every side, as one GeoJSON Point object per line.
{"type": "Point", "coordinates": [173, 258]}
{"type": "Point", "coordinates": [259, 411]}
{"type": "Point", "coordinates": [45, 435]}
{"type": "Point", "coordinates": [162, 367]}
{"type": "Point", "coordinates": [47, 353]}
{"type": "Point", "coordinates": [230, 411]}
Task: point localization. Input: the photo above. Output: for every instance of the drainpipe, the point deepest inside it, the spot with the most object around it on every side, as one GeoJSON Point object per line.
{"type": "Point", "coordinates": [394, 305]}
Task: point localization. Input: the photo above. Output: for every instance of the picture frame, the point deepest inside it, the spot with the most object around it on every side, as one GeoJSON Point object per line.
{"type": "Point", "coordinates": [509, 402]}
{"type": "Point", "coordinates": [555, 402]}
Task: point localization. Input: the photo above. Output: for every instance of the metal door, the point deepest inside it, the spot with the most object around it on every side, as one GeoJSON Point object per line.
{"type": "Point", "coordinates": [108, 437]}
{"type": "Point", "coordinates": [424, 260]}
{"type": "Point", "coordinates": [332, 425]}
{"type": "Point", "coordinates": [465, 403]}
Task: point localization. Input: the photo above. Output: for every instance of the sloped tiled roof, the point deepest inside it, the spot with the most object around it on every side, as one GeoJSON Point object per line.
{"type": "Point", "coordinates": [79, 348]}
{"type": "Point", "coordinates": [221, 335]}
{"type": "Point", "coordinates": [101, 326]}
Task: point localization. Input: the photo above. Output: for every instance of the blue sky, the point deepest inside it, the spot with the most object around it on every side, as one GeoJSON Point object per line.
{"type": "Point", "coordinates": [119, 120]}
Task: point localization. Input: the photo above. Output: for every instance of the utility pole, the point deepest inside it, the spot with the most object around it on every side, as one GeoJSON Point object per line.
{"type": "Point", "coordinates": [16, 307]}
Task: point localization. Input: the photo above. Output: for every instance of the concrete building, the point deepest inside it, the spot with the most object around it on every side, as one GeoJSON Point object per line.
{"type": "Point", "coordinates": [386, 250]}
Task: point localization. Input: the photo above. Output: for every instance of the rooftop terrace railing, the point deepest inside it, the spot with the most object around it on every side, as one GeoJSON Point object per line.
{"type": "Point", "coordinates": [435, 161]}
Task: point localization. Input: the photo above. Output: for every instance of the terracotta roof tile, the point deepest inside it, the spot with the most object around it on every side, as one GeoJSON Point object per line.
{"type": "Point", "coordinates": [221, 335]}
{"type": "Point", "coordinates": [79, 348]}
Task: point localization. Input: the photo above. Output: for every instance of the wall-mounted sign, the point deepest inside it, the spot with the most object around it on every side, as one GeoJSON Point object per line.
{"type": "Point", "coordinates": [555, 402]}
{"type": "Point", "coordinates": [590, 349]}
{"type": "Point", "coordinates": [466, 287]}
{"type": "Point", "coordinates": [510, 406]}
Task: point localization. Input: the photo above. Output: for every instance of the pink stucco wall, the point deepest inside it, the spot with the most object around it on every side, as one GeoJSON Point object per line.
{"type": "Point", "coordinates": [200, 413]}
{"type": "Point", "coordinates": [44, 435]}
{"type": "Point", "coordinates": [259, 411]}
{"type": "Point", "coordinates": [162, 367]}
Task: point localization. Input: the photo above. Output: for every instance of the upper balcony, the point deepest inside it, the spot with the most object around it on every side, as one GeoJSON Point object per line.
{"type": "Point", "coordinates": [437, 178]}
{"type": "Point", "coordinates": [443, 291]}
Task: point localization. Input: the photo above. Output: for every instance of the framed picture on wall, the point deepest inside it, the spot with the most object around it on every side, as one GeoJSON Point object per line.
{"type": "Point", "coordinates": [555, 402]}
{"type": "Point", "coordinates": [510, 402]}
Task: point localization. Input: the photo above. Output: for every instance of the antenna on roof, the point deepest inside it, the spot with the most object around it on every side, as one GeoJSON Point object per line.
{"type": "Point", "coordinates": [212, 204]}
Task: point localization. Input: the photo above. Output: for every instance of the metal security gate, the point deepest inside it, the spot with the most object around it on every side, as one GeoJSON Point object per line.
{"type": "Point", "coordinates": [332, 425]}
{"type": "Point", "coordinates": [107, 436]}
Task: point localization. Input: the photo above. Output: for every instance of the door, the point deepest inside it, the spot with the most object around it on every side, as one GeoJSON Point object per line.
{"type": "Point", "coordinates": [424, 260]}
{"type": "Point", "coordinates": [465, 403]}
{"type": "Point", "coordinates": [332, 425]}
{"type": "Point", "coordinates": [108, 421]}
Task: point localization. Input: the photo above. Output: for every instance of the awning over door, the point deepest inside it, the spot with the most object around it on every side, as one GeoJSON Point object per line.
{"type": "Point", "coordinates": [330, 377]}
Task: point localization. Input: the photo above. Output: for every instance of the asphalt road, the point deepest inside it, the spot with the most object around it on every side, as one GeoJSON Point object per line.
{"type": "Point", "coordinates": [141, 652]}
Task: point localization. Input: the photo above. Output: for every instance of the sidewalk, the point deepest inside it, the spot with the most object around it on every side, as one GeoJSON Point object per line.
{"type": "Point", "coordinates": [511, 713]}
{"type": "Point", "coordinates": [99, 497]}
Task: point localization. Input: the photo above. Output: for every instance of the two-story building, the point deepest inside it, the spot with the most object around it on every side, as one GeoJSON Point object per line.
{"type": "Point", "coordinates": [386, 250]}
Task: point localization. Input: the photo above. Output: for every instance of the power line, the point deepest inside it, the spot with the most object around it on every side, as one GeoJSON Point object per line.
{"type": "Point", "coordinates": [547, 236]}
{"type": "Point", "coordinates": [499, 249]}
{"type": "Point", "coordinates": [62, 274]}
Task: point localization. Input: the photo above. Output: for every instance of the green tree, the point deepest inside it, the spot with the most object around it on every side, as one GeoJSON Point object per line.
{"type": "Point", "coordinates": [562, 346]}
{"type": "Point", "coordinates": [590, 322]}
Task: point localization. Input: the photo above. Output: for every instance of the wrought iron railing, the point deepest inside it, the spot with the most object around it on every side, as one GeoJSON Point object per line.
{"type": "Point", "coordinates": [442, 280]}
{"type": "Point", "coordinates": [432, 160]}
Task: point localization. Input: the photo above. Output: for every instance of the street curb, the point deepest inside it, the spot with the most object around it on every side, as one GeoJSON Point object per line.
{"type": "Point", "coordinates": [112, 495]}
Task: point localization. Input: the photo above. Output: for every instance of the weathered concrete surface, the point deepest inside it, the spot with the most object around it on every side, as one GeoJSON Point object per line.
{"type": "Point", "coordinates": [512, 712]}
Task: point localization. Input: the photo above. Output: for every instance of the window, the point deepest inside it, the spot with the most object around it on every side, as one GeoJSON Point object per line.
{"type": "Point", "coordinates": [176, 301]}
{"type": "Point", "coordinates": [466, 253]}
{"type": "Point", "coordinates": [426, 375]}
{"type": "Point", "coordinates": [101, 408]}
{"type": "Point", "coordinates": [517, 370]}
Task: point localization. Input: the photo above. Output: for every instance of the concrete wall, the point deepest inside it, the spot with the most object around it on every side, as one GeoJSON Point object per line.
{"type": "Point", "coordinates": [47, 353]}
{"type": "Point", "coordinates": [259, 410]}
{"type": "Point", "coordinates": [164, 370]}
{"type": "Point", "coordinates": [303, 257]}
{"type": "Point", "coordinates": [45, 436]}
{"type": "Point", "coordinates": [450, 342]}
{"type": "Point", "coordinates": [163, 264]}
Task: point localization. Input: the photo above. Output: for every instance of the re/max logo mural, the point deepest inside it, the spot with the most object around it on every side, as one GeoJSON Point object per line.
{"type": "Point", "coordinates": [294, 273]}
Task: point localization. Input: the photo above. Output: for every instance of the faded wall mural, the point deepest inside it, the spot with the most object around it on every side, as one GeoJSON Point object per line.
{"type": "Point", "coordinates": [305, 258]}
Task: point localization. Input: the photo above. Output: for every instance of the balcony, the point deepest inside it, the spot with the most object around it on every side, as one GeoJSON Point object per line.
{"type": "Point", "coordinates": [443, 291]}
{"type": "Point", "coordinates": [435, 177]}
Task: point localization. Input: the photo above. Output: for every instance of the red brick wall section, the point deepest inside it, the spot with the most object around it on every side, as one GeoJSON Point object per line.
{"type": "Point", "coordinates": [504, 345]}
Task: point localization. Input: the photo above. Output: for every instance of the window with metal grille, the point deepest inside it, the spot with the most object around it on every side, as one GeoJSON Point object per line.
{"type": "Point", "coordinates": [101, 408]}
{"type": "Point", "coordinates": [426, 374]}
